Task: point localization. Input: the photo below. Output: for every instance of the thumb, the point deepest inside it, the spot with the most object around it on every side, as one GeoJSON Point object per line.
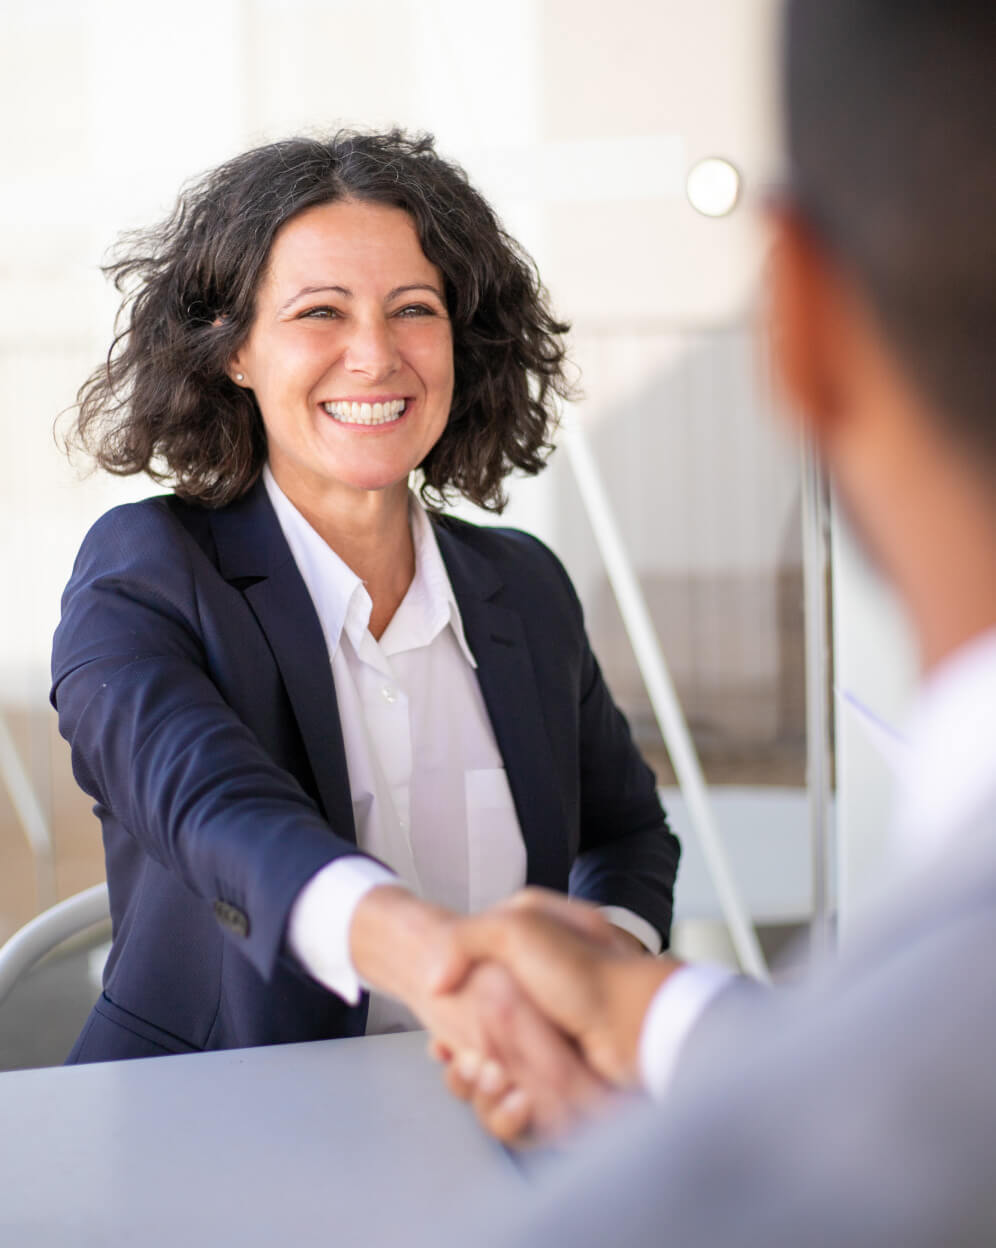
{"type": "Point", "coordinates": [468, 942]}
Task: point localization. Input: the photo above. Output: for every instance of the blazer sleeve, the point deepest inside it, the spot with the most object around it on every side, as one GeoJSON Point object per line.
{"type": "Point", "coordinates": [627, 855]}
{"type": "Point", "coordinates": [157, 746]}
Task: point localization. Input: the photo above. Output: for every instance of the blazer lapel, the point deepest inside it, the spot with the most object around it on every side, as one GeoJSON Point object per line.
{"type": "Point", "coordinates": [253, 554]}
{"type": "Point", "coordinates": [507, 678]}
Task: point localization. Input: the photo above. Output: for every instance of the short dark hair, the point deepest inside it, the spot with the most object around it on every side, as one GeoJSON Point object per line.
{"type": "Point", "coordinates": [891, 123]}
{"type": "Point", "coordinates": [163, 404]}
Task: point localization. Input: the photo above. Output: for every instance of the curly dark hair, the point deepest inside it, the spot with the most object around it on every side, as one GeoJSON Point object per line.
{"type": "Point", "coordinates": [162, 402]}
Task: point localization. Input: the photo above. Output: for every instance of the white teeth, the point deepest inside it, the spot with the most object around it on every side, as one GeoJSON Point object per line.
{"type": "Point", "coordinates": [365, 413]}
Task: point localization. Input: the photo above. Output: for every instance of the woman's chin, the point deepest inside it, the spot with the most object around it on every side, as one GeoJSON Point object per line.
{"type": "Point", "coordinates": [369, 482]}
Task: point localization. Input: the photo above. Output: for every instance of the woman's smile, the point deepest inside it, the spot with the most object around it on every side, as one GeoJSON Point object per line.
{"type": "Point", "coordinates": [368, 412]}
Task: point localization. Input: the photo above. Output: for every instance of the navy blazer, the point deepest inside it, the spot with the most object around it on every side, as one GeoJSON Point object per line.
{"type": "Point", "coordinates": [192, 682]}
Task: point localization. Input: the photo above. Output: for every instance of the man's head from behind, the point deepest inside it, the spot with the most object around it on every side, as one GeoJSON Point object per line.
{"type": "Point", "coordinates": [885, 270]}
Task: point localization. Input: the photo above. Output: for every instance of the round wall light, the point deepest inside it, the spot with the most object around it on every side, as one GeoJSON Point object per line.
{"type": "Point", "coordinates": [713, 187]}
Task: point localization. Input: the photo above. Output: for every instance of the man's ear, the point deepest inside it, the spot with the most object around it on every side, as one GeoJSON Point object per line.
{"type": "Point", "coordinates": [808, 341]}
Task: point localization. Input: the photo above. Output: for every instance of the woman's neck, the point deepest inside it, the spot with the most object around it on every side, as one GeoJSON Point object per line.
{"type": "Point", "coordinates": [370, 531]}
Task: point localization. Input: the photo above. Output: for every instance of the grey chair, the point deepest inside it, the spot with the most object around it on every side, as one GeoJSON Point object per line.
{"type": "Point", "coordinates": [50, 977]}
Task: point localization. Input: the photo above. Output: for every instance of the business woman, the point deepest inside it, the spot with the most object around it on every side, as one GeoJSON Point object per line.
{"type": "Point", "coordinates": [317, 716]}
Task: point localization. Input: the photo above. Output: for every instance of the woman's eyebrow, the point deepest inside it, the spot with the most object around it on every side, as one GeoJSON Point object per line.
{"type": "Point", "coordinates": [343, 290]}
{"type": "Point", "coordinates": [315, 290]}
{"type": "Point", "coordinates": [403, 290]}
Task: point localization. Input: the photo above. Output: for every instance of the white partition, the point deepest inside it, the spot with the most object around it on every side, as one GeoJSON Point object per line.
{"type": "Point", "coordinates": [875, 661]}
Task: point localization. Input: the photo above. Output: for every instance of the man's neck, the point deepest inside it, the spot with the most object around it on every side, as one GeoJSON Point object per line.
{"type": "Point", "coordinates": [950, 581]}
{"type": "Point", "coordinates": [929, 510]}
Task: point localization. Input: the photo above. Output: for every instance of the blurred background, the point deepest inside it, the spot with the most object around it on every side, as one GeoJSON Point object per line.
{"type": "Point", "coordinates": [582, 122]}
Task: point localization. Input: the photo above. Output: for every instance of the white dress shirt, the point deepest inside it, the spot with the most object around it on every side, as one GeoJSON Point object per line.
{"type": "Point", "coordinates": [431, 799]}
{"type": "Point", "coordinates": [947, 774]}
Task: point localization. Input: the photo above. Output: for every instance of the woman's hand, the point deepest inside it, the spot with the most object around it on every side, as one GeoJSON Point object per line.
{"type": "Point", "coordinates": [567, 958]}
{"type": "Point", "coordinates": [526, 1077]}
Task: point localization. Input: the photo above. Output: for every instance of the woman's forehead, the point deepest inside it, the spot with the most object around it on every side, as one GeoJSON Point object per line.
{"type": "Point", "coordinates": [348, 241]}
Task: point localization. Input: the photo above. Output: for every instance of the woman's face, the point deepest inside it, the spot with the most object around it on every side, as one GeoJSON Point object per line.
{"type": "Point", "coordinates": [350, 353]}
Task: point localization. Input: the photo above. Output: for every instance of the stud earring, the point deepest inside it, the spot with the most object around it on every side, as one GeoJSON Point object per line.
{"type": "Point", "coordinates": [240, 376]}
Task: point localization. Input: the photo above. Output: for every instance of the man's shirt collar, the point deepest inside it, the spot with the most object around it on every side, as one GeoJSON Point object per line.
{"type": "Point", "coordinates": [950, 770]}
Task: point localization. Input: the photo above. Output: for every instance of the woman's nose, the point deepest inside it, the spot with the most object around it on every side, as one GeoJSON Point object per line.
{"type": "Point", "coordinates": [371, 350]}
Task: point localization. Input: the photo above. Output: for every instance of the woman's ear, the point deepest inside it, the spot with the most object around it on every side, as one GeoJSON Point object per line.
{"type": "Point", "coordinates": [234, 368]}
{"type": "Point", "coordinates": [236, 371]}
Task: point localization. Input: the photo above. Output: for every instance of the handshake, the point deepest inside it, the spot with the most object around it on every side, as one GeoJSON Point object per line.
{"type": "Point", "coordinates": [535, 1008]}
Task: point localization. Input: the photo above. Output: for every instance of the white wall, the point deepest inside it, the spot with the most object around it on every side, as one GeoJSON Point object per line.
{"type": "Point", "coordinates": [579, 119]}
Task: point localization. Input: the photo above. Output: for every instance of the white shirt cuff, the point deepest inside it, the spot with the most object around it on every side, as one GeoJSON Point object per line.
{"type": "Point", "coordinates": [318, 927]}
{"type": "Point", "coordinates": [675, 1009]}
{"type": "Point", "coordinates": [648, 935]}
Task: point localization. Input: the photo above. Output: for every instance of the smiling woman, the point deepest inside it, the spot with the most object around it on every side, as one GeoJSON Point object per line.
{"type": "Point", "coordinates": [353, 373]}
{"type": "Point", "coordinates": [165, 402]}
{"type": "Point", "coordinates": [318, 718]}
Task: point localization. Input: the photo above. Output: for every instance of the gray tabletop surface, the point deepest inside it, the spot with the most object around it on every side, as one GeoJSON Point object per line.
{"type": "Point", "coordinates": [339, 1142]}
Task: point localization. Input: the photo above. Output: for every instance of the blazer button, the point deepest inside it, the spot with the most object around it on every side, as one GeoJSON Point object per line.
{"type": "Point", "coordinates": [236, 920]}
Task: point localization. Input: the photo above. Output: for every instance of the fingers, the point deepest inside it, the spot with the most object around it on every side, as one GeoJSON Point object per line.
{"type": "Point", "coordinates": [514, 1115]}
{"type": "Point", "coordinates": [438, 1051]}
{"type": "Point", "coordinates": [579, 915]}
{"type": "Point", "coordinates": [503, 1110]}
{"type": "Point", "coordinates": [530, 1055]}
{"type": "Point", "coordinates": [460, 1074]}
{"type": "Point", "coordinates": [524, 1076]}
{"type": "Point", "coordinates": [553, 963]}
{"type": "Point", "coordinates": [492, 934]}
{"type": "Point", "coordinates": [507, 1114]}
{"type": "Point", "coordinates": [509, 1119]}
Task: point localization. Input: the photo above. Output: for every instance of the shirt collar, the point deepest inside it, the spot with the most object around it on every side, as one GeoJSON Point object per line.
{"type": "Point", "coordinates": [341, 599]}
{"type": "Point", "coordinates": [950, 768]}
{"type": "Point", "coordinates": [430, 604]}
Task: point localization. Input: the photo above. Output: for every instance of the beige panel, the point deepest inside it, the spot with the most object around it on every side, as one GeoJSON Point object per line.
{"type": "Point", "coordinates": [698, 69]}
{"type": "Point", "coordinates": [314, 66]}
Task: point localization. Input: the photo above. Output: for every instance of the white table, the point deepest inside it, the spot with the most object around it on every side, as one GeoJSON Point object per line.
{"type": "Point", "coordinates": [339, 1142]}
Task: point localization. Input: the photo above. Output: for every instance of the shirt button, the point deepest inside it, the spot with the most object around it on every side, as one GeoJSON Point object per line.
{"type": "Point", "coordinates": [388, 694]}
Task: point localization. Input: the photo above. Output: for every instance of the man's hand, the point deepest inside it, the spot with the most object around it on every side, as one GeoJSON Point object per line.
{"type": "Point", "coordinates": [526, 1075]}
{"type": "Point", "coordinates": [570, 962]}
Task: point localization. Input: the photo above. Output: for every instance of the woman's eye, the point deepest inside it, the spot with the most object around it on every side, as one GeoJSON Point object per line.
{"type": "Point", "coordinates": [322, 313]}
{"type": "Point", "coordinates": [416, 309]}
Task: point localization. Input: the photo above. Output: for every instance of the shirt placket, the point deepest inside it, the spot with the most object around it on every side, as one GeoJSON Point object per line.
{"type": "Point", "coordinates": [386, 708]}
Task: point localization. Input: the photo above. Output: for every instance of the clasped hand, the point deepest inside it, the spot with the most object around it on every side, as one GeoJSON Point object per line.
{"type": "Point", "coordinates": [560, 995]}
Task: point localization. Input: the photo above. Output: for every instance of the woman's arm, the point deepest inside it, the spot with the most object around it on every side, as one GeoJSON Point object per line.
{"type": "Point", "coordinates": [156, 743]}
